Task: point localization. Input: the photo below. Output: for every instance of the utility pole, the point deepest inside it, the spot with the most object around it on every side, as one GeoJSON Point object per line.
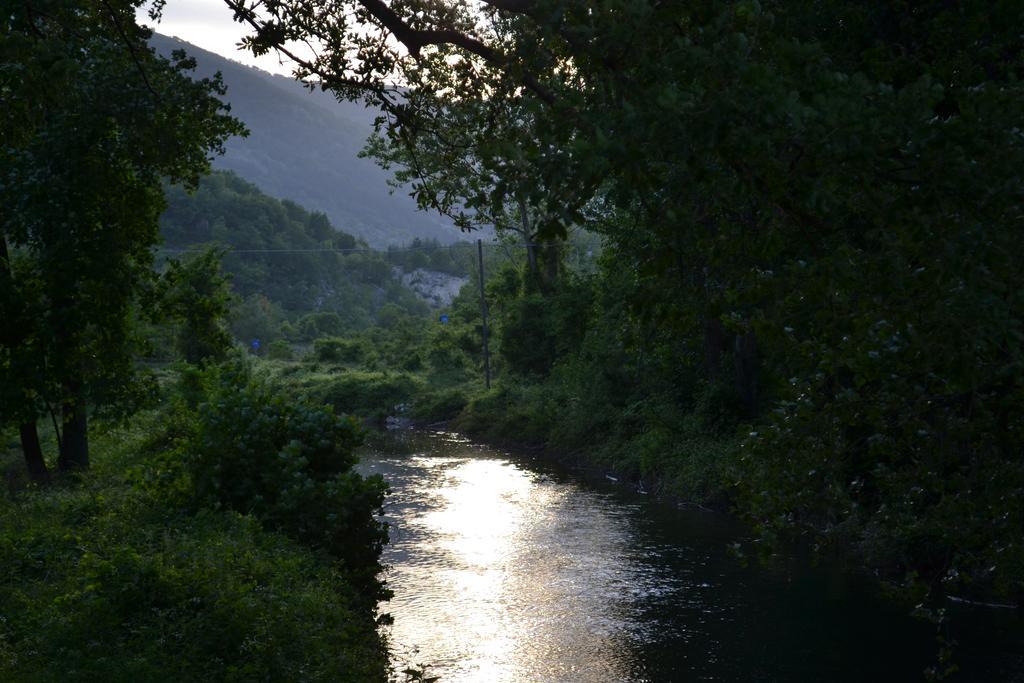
{"type": "Point", "coordinates": [483, 313]}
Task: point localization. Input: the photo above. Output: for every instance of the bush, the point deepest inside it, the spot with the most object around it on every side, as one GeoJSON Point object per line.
{"type": "Point", "coordinates": [517, 412]}
{"type": "Point", "coordinates": [288, 463]}
{"type": "Point", "coordinates": [368, 394]}
{"type": "Point", "coordinates": [335, 350]}
{"type": "Point", "coordinates": [110, 578]}
{"type": "Point", "coordinates": [441, 405]}
{"type": "Point", "coordinates": [97, 588]}
{"type": "Point", "coordinates": [280, 350]}
{"type": "Point", "coordinates": [322, 324]}
{"type": "Point", "coordinates": [716, 408]}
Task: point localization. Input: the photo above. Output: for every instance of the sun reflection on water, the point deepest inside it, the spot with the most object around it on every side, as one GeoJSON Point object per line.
{"type": "Point", "coordinates": [506, 570]}
{"type": "Point", "coordinates": [501, 574]}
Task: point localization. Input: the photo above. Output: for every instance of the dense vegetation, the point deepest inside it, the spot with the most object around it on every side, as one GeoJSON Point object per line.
{"type": "Point", "coordinates": [809, 206]}
{"type": "Point", "coordinates": [806, 301]}
{"type": "Point", "coordinates": [458, 259]}
{"type": "Point", "coordinates": [215, 529]}
{"type": "Point", "coordinates": [183, 555]}
{"type": "Point", "coordinates": [94, 123]}
{"type": "Point", "coordinates": [285, 264]}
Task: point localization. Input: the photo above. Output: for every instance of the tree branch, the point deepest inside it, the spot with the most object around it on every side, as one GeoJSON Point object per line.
{"type": "Point", "coordinates": [131, 49]}
{"type": "Point", "coordinates": [243, 15]}
{"type": "Point", "coordinates": [415, 40]}
{"type": "Point", "coordinates": [513, 6]}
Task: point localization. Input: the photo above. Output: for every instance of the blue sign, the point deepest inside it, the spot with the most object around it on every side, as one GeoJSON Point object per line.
{"type": "Point", "coordinates": [444, 318]}
{"type": "Point", "coordinates": [255, 345]}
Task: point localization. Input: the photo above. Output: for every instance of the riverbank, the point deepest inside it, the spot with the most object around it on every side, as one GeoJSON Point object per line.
{"type": "Point", "coordinates": [116, 574]}
{"type": "Point", "coordinates": [691, 455]}
{"type": "Point", "coordinates": [698, 471]}
{"type": "Point", "coordinates": [676, 459]}
{"type": "Point", "coordinates": [981, 644]}
{"type": "Point", "coordinates": [508, 566]}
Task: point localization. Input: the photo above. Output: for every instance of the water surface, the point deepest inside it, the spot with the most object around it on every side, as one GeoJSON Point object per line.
{"type": "Point", "coordinates": [508, 569]}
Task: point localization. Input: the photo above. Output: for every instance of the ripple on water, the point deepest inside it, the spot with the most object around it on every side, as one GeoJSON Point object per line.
{"type": "Point", "coordinates": [505, 572]}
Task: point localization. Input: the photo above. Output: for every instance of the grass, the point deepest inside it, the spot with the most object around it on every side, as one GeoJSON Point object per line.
{"type": "Point", "coordinates": [106, 578]}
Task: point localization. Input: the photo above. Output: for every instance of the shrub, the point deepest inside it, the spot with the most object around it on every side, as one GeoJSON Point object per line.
{"type": "Point", "coordinates": [111, 577]}
{"type": "Point", "coordinates": [518, 412]}
{"type": "Point", "coordinates": [280, 350]}
{"type": "Point", "coordinates": [373, 394]}
{"type": "Point", "coordinates": [441, 405]}
{"type": "Point", "coordinates": [289, 463]}
{"type": "Point", "coordinates": [322, 324]}
{"type": "Point", "coordinates": [335, 350]}
{"type": "Point", "coordinates": [103, 586]}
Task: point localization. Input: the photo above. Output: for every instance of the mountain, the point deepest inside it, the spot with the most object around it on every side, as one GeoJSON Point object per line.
{"type": "Point", "coordinates": [284, 259]}
{"type": "Point", "coordinates": [303, 146]}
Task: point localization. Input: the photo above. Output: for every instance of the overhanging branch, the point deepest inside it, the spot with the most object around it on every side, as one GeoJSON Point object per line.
{"type": "Point", "coordinates": [513, 6]}
{"type": "Point", "coordinates": [415, 40]}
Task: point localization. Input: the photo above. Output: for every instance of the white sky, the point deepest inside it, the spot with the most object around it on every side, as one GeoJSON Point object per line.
{"type": "Point", "coordinates": [208, 24]}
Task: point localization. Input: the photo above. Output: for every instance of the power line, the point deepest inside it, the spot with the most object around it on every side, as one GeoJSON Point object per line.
{"type": "Point", "coordinates": [354, 250]}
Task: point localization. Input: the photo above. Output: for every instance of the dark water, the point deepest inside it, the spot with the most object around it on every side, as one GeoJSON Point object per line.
{"type": "Point", "coordinates": [508, 569]}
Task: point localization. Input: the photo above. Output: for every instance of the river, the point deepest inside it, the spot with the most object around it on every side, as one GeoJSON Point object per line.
{"type": "Point", "coordinates": [509, 569]}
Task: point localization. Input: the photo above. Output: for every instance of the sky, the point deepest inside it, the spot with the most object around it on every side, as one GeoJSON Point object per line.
{"type": "Point", "coordinates": [208, 24]}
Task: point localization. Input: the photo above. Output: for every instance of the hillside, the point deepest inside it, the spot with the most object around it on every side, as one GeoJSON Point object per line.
{"type": "Point", "coordinates": [303, 146]}
{"type": "Point", "coordinates": [275, 260]}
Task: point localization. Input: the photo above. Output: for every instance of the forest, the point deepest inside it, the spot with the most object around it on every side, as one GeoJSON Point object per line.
{"type": "Point", "coordinates": [756, 257]}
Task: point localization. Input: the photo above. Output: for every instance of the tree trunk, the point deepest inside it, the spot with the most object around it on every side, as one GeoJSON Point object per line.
{"type": "Point", "coordinates": [551, 254]}
{"type": "Point", "coordinates": [37, 471]}
{"type": "Point", "coordinates": [75, 445]}
{"type": "Point", "coordinates": [531, 257]}
{"type": "Point", "coordinates": [714, 346]}
{"type": "Point", "coordinates": [30, 447]}
{"type": "Point", "coordinates": [528, 238]}
{"type": "Point", "coordinates": [746, 371]}
{"type": "Point", "coordinates": [544, 261]}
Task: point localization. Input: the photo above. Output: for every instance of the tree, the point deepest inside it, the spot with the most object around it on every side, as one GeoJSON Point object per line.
{"type": "Point", "coordinates": [834, 188]}
{"type": "Point", "coordinates": [462, 128]}
{"type": "Point", "coordinates": [197, 298]}
{"type": "Point", "coordinates": [93, 123]}
{"type": "Point", "coordinates": [449, 172]}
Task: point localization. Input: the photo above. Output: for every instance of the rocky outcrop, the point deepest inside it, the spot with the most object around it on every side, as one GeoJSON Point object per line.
{"type": "Point", "coordinates": [437, 289]}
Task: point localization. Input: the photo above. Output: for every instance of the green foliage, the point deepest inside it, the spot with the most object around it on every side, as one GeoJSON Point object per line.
{"type": "Point", "coordinates": [288, 463]}
{"type": "Point", "coordinates": [815, 204]}
{"type": "Point", "coordinates": [527, 335]}
{"type": "Point", "coordinates": [621, 392]}
{"type": "Point", "coordinates": [284, 261]}
{"type": "Point", "coordinates": [93, 123]}
{"type": "Point", "coordinates": [196, 299]}
{"type": "Point", "coordinates": [280, 350]}
{"type": "Point", "coordinates": [110, 578]}
{"type": "Point", "coordinates": [216, 597]}
{"type": "Point", "coordinates": [364, 393]}
{"type": "Point", "coordinates": [535, 327]}
{"type": "Point", "coordinates": [257, 317]}
{"type": "Point", "coordinates": [334, 350]}
{"type": "Point", "coordinates": [323, 324]}
{"type": "Point", "coordinates": [716, 408]}
{"type": "Point", "coordinates": [450, 354]}
{"type": "Point", "coordinates": [440, 405]}
{"type": "Point", "coordinates": [513, 411]}
{"type": "Point", "coordinates": [458, 259]}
